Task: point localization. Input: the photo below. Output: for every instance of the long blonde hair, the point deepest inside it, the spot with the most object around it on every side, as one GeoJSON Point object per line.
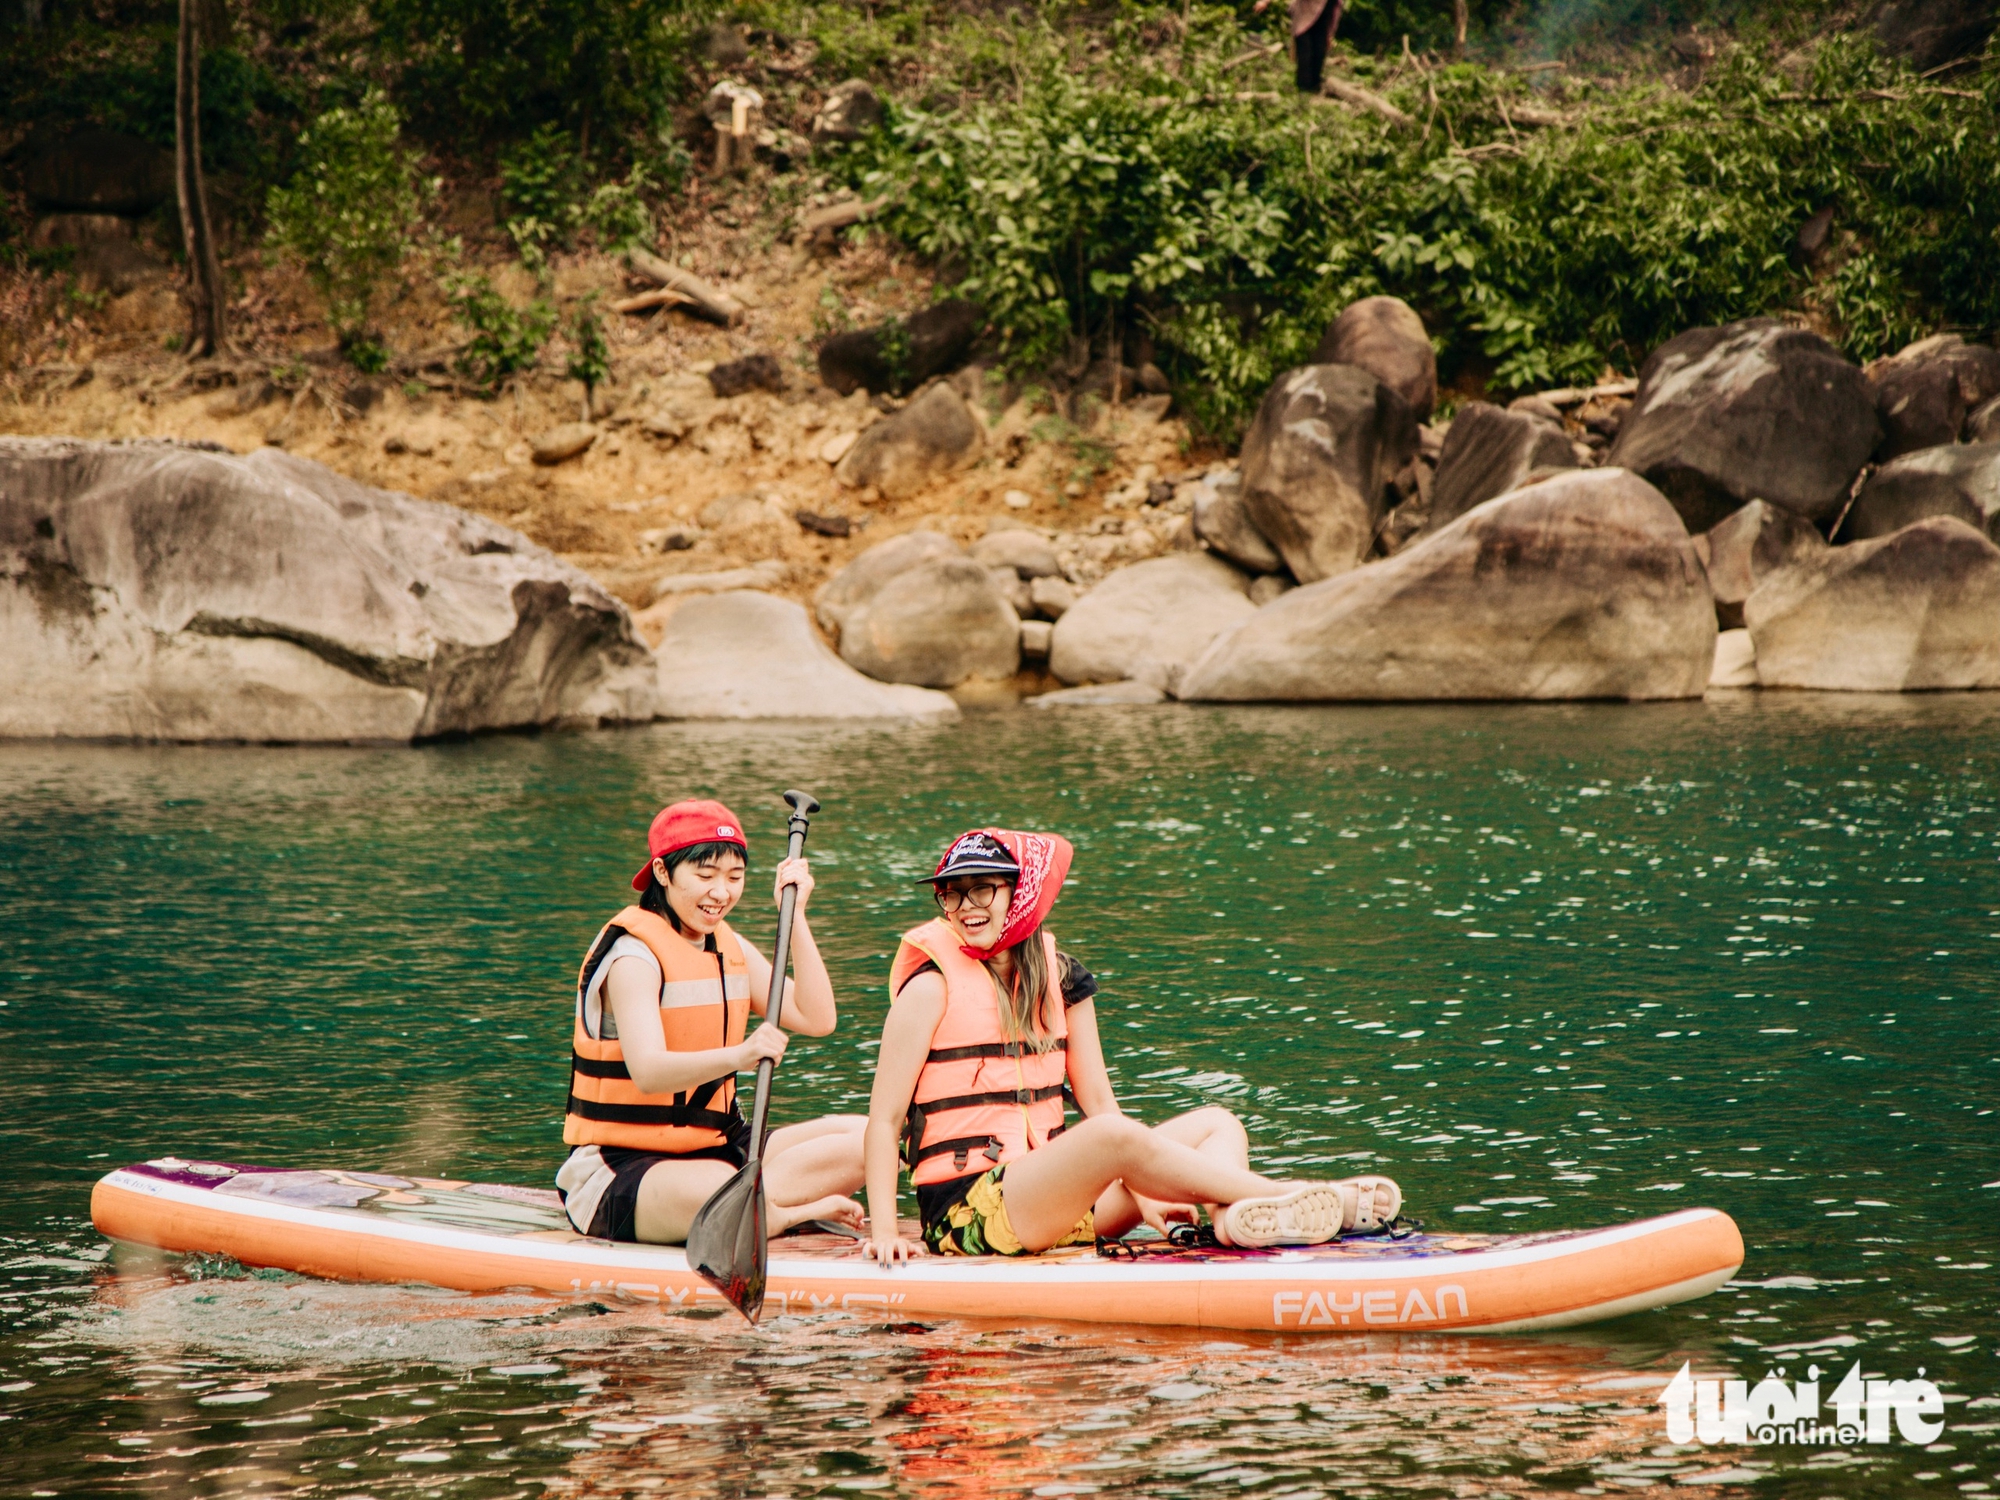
{"type": "Point", "coordinates": [1023, 1013]}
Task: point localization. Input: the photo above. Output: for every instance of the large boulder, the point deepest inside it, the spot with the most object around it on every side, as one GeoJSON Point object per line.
{"type": "Point", "coordinates": [1222, 520]}
{"type": "Point", "coordinates": [1585, 585]}
{"type": "Point", "coordinates": [99, 172]}
{"type": "Point", "coordinates": [1149, 621]}
{"type": "Point", "coordinates": [1324, 445]}
{"type": "Point", "coordinates": [1961, 480]}
{"type": "Point", "coordinates": [898, 455]}
{"type": "Point", "coordinates": [1746, 548]}
{"type": "Point", "coordinates": [935, 625]}
{"type": "Point", "coordinates": [849, 113]}
{"type": "Point", "coordinates": [1385, 337]}
{"type": "Point", "coordinates": [1488, 452]}
{"type": "Point", "coordinates": [901, 355]}
{"type": "Point", "coordinates": [1750, 410]}
{"type": "Point", "coordinates": [862, 579]}
{"type": "Point", "coordinates": [1917, 609]}
{"type": "Point", "coordinates": [752, 656]}
{"type": "Point", "coordinates": [1028, 553]}
{"type": "Point", "coordinates": [1931, 33]}
{"type": "Point", "coordinates": [1920, 406]}
{"type": "Point", "coordinates": [154, 591]}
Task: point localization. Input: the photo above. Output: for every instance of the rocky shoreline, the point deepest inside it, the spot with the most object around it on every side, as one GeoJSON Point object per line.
{"type": "Point", "coordinates": [1754, 511]}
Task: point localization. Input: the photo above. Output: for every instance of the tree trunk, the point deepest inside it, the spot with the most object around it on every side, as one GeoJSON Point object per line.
{"type": "Point", "coordinates": [1458, 24]}
{"type": "Point", "coordinates": [208, 333]}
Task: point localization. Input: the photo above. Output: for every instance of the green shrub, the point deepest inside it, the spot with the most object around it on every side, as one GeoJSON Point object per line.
{"type": "Point", "coordinates": [617, 212]}
{"type": "Point", "coordinates": [1108, 193]}
{"type": "Point", "coordinates": [352, 211]}
{"type": "Point", "coordinates": [542, 185]}
{"type": "Point", "coordinates": [505, 338]}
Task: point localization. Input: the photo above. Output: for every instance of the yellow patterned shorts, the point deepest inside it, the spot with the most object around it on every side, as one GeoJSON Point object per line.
{"type": "Point", "coordinates": [977, 1223]}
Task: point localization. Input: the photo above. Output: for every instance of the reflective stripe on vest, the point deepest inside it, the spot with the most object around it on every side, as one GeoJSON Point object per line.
{"type": "Point", "coordinates": [980, 1100]}
{"type": "Point", "coordinates": [704, 1004]}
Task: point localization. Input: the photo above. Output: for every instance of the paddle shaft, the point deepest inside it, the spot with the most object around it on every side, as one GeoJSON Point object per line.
{"type": "Point", "coordinates": [781, 952]}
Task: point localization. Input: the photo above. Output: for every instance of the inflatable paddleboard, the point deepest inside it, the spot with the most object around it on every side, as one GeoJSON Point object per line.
{"type": "Point", "coordinates": [479, 1237]}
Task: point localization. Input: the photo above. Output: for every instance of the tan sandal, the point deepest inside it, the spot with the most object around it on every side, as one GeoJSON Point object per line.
{"type": "Point", "coordinates": [1310, 1214]}
{"type": "Point", "coordinates": [1371, 1202]}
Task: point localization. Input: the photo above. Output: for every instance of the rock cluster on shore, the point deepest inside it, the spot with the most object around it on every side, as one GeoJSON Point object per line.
{"type": "Point", "coordinates": [1753, 511]}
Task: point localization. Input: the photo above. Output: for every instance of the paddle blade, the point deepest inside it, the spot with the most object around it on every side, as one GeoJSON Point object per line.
{"type": "Point", "coordinates": [727, 1244]}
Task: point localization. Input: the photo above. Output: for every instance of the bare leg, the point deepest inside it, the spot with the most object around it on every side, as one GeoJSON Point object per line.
{"type": "Point", "coordinates": [1049, 1189]}
{"type": "Point", "coordinates": [1214, 1132]}
{"type": "Point", "coordinates": [812, 1170]}
{"type": "Point", "coordinates": [809, 1170]}
{"type": "Point", "coordinates": [671, 1194]}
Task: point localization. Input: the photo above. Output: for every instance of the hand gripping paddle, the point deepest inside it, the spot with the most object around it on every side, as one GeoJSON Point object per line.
{"type": "Point", "coordinates": [727, 1243]}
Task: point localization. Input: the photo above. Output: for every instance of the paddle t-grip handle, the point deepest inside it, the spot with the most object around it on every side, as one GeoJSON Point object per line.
{"type": "Point", "coordinates": [803, 805]}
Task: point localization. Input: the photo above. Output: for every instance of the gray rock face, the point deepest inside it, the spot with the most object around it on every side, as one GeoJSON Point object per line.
{"type": "Point", "coordinates": [1931, 33]}
{"type": "Point", "coordinates": [1028, 553]}
{"type": "Point", "coordinates": [751, 656]}
{"type": "Point", "coordinates": [1983, 426]}
{"type": "Point", "coordinates": [1223, 521]}
{"type": "Point", "coordinates": [1385, 337]}
{"type": "Point", "coordinates": [1581, 586]}
{"type": "Point", "coordinates": [1148, 621]}
{"type": "Point", "coordinates": [1920, 406]}
{"type": "Point", "coordinates": [850, 112]}
{"type": "Point", "coordinates": [1747, 548]}
{"type": "Point", "coordinates": [1324, 445]}
{"type": "Point", "coordinates": [1751, 410]}
{"type": "Point", "coordinates": [862, 579]}
{"type": "Point", "coordinates": [1961, 480]}
{"type": "Point", "coordinates": [901, 355]}
{"type": "Point", "coordinates": [935, 625]}
{"type": "Point", "coordinates": [1917, 609]}
{"type": "Point", "coordinates": [153, 591]}
{"type": "Point", "coordinates": [100, 172]}
{"type": "Point", "coordinates": [1052, 597]}
{"type": "Point", "coordinates": [1488, 452]}
{"type": "Point", "coordinates": [898, 455]}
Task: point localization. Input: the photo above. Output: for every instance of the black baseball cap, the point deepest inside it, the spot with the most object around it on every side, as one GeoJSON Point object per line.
{"type": "Point", "coordinates": [974, 854]}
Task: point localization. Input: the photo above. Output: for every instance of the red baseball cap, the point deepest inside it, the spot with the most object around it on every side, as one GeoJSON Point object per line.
{"type": "Point", "coordinates": [685, 823]}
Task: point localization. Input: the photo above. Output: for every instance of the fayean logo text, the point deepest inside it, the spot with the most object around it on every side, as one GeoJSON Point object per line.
{"type": "Point", "coordinates": [1776, 1411]}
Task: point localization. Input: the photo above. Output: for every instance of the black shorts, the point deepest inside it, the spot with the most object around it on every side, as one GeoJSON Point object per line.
{"type": "Point", "coordinates": [617, 1211]}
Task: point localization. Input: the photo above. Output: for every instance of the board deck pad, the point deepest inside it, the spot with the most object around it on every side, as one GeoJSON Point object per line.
{"type": "Point", "coordinates": [376, 1226]}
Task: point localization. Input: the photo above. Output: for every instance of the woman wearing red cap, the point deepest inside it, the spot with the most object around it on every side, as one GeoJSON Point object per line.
{"type": "Point", "coordinates": [662, 1006]}
{"type": "Point", "coordinates": [989, 1027]}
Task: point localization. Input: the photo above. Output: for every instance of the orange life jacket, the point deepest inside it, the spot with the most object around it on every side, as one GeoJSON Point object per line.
{"type": "Point", "coordinates": [980, 1100]}
{"type": "Point", "coordinates": [704, 1003]}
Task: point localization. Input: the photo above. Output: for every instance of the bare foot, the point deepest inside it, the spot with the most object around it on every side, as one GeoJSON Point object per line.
{"type": "Point", "coordinates": [833, 1208]}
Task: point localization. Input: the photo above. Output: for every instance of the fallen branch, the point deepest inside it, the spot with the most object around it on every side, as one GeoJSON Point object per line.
{"type": "Point", "coordinates": [1251, 56]}
{"type": "Point", "coordinates": [1527, 114]}
{"type": "Point", "coordinates": [647, 301]}
{"type": "Point", "coordinates": [1356, 97]}
{"type": "Point", "coordinates": [825, 223]}
{"type": "Point", "coordinates": [711, 302]}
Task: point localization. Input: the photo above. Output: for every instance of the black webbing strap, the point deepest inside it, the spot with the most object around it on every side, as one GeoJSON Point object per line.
{"type": "Point", "coordinates": [990, 1049]}
{"type": "Point", "coordinates": [651, 1114]}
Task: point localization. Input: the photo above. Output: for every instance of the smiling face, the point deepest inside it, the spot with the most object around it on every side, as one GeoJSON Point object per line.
{"type": "Point", "coordinates": [975, 906]}
{"type": "Point", "coordinates": [704, 890]}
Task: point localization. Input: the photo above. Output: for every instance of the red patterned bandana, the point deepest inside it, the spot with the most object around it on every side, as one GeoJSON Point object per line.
{"type": "Point", "coordinates": [1044, 860]}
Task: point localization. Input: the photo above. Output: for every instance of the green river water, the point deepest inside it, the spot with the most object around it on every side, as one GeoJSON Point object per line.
{"type": "Point", "coordinates": [1548, 966]}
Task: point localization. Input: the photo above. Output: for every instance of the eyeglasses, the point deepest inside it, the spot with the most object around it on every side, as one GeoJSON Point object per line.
{"type": "Point", "coordinates": [950, 899]}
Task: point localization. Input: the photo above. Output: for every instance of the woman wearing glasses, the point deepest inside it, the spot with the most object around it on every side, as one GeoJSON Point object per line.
{"type": "Point", "coordinates": [990, 1026]}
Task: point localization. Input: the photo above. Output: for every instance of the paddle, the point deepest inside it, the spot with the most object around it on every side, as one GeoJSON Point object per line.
{"type": "Point", "coordinates": [727, 1243]}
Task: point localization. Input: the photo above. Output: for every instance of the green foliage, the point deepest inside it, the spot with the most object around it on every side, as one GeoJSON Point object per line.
{"type": "Point", "coordinates": [1100, 194]}
{"type": "Point", "coordinates": [494, 70]}
{"type": "Point", "coordinates": [352, 211]}
{"type": "Point", "coordinates": [121, 77]}
{"type": "Point", "coordinates": [505, 338]}
{"type": "Point", "coordinates": [542, 183]}
{"type": "Point", "coordinates": [617, 212]}
{"type": "Point", "coordinates": [590, 355]}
